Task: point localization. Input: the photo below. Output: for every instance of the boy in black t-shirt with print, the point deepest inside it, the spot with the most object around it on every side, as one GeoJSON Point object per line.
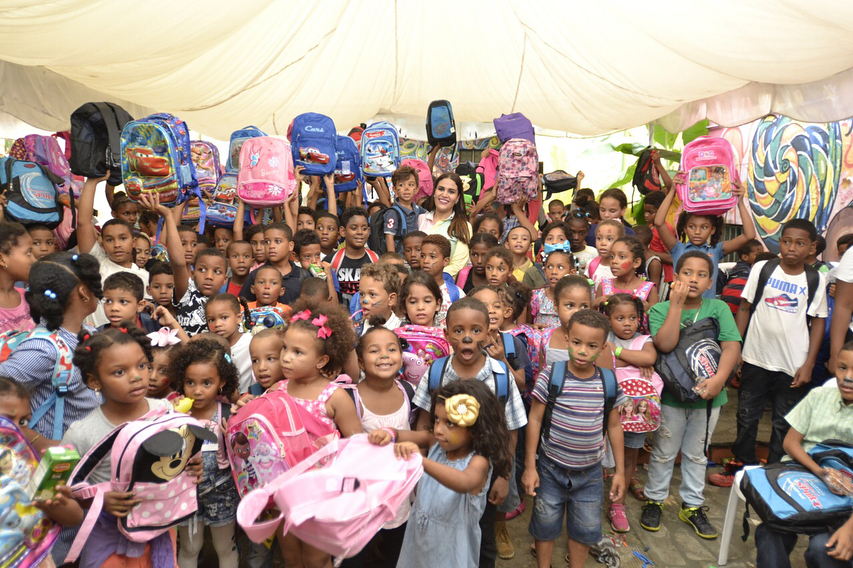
{"type": "Point", "coordinates": [347, 262]}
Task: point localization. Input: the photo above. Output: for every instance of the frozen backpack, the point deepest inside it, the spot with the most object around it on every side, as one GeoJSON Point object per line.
{"type": "Point", "coordinates": [519, 171]}
{"type": "Point", "coordinates": [266, 172]}
{"type": "Point", "coordinates": [514, 125]}
{"type": "Point", "coordinates": [425, 183]}
{"type": "Point", "coordinates": [31, 194]}
{"type": "Point", "coordinates": [313, 140]}
{"type": "Point", "coordinates": [423, 345]}
{"type": "Point", "coordinates": [347, 165]}
{"type": "Point", "coordinates": [148, 457]}
{"type": "Point", "coordinates": [440, 126]}
{"type": "Point", "coordinates": [156, 158]}
{"type": "Point", "coordinates": [232, 165]}
{"type": "Point", "coordinates": [710, 165]}
{"type": "Point", "coordinates": [27, 535]}
{"type": "Point", "coordinates": [642, 412]}
{"type": "Point", "coordinates": [266, 438]}
{"type": "Point", "coordinates": [338, 508]}
{"type": "Point", "coordinates": [96, 141]}
{"type": "Point", "coordinates": [45, 151]}
{"type": "Point", "coordinates": [380, 149]}
{"type": "Point", "coordinates": [222, 210]}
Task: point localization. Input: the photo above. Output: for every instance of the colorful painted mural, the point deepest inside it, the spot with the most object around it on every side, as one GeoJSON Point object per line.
{"type": "Point", "coordinates": [796, 170]}
{"type": "Point", "coordinates": [447, 158]}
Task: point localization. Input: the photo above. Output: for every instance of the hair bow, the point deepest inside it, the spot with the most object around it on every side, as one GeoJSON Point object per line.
{"type": "Point", "coordinates": [164, 337]}
{"type": "Point", "coordinates": [325, 331]}
{"type": "Point", "coordinates": [563, 247]}
{"type": "Point", "coordinates": [462, 409]}
{"type": "Point", "coordinates": [303, 315]}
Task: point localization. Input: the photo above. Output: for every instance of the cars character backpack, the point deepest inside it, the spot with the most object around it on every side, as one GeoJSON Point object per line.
{"type": "Point", "coordinates": [519, 171]}
{"type": "Point", "coordinates": [423, 345]}
{"type": "Point", "coordinates": [147, 457]}
{"type": "Point", "coordinates": [440, 126]}
{"type": "Point", "coordinates": [514, 125]}
{"type": "Point", "coordinates": [425, 183]}
{"type": "Point", "coordinates": [232, 166]}
{"type": "Point", "coordinates": [347, 165]}
{"type": "Point", "coordinates": [156, 158]}
{"type": "Point", "coordinates": [313, 140]}
{"type": "Point", "coordinates": [27, 535]}
{"type": "Point", "coordinates": [45, 151]}
{"type": "Point", "coordinates": [31, 194]}
{"type": "Point", "coordinates": [96, 141]}
{"type": "Point", "coordinates": [266, 172]}
{"type": "Point", "coordinates": [222, 210]}
{"type": "Point", "coordinates": [380, 149]}
{"type": "Point", "coordinates": [710, 165]}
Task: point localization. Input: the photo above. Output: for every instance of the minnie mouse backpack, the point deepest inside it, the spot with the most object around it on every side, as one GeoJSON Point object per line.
{"type": "Point", "coordinates": [710, 165]}
{"type": "Point", "coordinates": [148, 457]}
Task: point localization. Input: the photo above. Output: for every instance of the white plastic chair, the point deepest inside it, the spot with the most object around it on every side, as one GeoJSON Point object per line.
{"type": "Point", "coordinates": [731, 515]}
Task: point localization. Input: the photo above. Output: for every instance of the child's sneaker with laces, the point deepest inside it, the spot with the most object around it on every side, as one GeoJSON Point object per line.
{"type": "Point", "coordinates": [650, 518]}
{"type": "Point", "coordinates": [696, 517]}
{"type": "Point", "coordinates": [618, 518]}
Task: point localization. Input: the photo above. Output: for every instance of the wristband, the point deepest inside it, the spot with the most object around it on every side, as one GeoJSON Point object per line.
{"type": "Point", "coordinates": [392, 433]}
{"type": "Point", "coordinates": [618, 351]}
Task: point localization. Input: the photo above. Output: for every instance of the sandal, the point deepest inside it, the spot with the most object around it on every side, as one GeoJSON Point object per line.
{"type": "Point", "coordinates": [637, 489]}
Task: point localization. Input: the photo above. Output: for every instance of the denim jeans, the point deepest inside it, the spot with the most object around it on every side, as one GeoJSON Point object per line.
{"type": "Point", "coordinates": [681, 429]}
{"type": "Point", "coordinates": [774, 549]}
{"type": "Point", "coordinates": [757, 386]}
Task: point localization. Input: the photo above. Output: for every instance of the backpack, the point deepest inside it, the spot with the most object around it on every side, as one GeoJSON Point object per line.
{"type": "Point", "coordinates": [812, 283]}
{"type": "Point", "coordinates": [265, 438]}
{"type": "Point", "coordinates": [339, 507]}
{"type": "Point", "coordinates": [791, 499]}
{"type": "Point", "coordinates": [238, 137]}
{"type": "Point", "coordinates": [639, 390]}
{"type": "Point", "coordinates": [376, 238]}
{"type": "Point", "coordinates": [502, 377]}
{"type": "Point", "coordinates": [338, 259]}
{"type": "Point", "coordinates": [440, 126]}
{"type": "Point", "coordinates": [452, 288]}
{"type": "Point", "coordinates": [695, 358]}
{"type": "Point", "coordinates": [425, 183]}
{"type": "Point", "coordinates": [558, 181]}
{"type": "Point", "coordinates": [222, 210]}
{"type": "Point", "coordinates": [31, 194]}
{"type": "Point", "coordinates": [266, 175]}
{"type": "Point", "coordinates": [380, 149]}
{"type": "Point", "coordinates": [156, 158]}
{"type": "Point", "coordinates": [462, 277]}
{"type": "Point", "coordinates": [205, 156]}
{"type": "Point", "coordinates": [265, 317]}
{"type": "Point", "coordinates": [96, 141]}
{"type": "Point", "coordinates": [472, 180]}
{"type": "Point", "coordinates": [45, 151]}
{"type": "Point", "coordinates": [313, 141]}
{"type": "Point", "coordinates": [555, 389]}
{"type": "Point", "coordinates": [519, 171]}
{"type": "Point", "coordinates": [488, 166]}
{"type": "Point", "coordinates": [348, 165]}
{"type": "Point", "coordinates": [28, 534]}
{"type": "Point", "coordinates": [646, 177]}
{"type": "Point", "coordinates": [514, 125]}
{"type": "Point", "coordinates": [710, 165]}
{"type": "Point", "coordinates": [147, 457]}
{"type": "Point", "coordinates": [423, 345]}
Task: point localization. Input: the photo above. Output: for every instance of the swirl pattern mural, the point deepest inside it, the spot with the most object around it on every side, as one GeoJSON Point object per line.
{"type": "Point", "coordinates": [447, 158]}
{"type": "Point", "coordinates": [794, 171]}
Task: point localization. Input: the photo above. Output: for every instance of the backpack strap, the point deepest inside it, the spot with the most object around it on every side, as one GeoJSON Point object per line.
{"type": "Point", "coordinates": [462, 277]}
{"type": "Point", "coordinates": [509, 347]}
{"type": "Point", "coordinates": [409, 393]}
{"type": "Point", "coordinates": [555, 389]}
{"type": "Point", "coordinates": [371, 254]}
{"type": "Point", "coordinates": [452, 288]}
{"type": "Point", "coordinates": [812, 283]}
{"type": "Point", "coordinates": [435, 373]}
{"type": "Point", "coordinates": [541, 272]}
{"type": "Point", "coordinates": [60, 378]}
{"type": "Point", "coordinates": [403, 226]}
{"type": "Point", "coordinates": [608, 381]}
{"type": "Point", "coordinates": [338, 259]}
{"type": "Point", "coordinates": [763, 277]}
{"type": "Point", "coordinates": [502, 382]}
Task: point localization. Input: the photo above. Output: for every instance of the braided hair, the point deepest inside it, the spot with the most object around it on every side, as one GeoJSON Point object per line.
{"type": "Point", "coordinates": [53, 280]}
{"type": "Point", "coordinates": [90, 347]}
{"type": "Point", "coordinates": [620, 299]}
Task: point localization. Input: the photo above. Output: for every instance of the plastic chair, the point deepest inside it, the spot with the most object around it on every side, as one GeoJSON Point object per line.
{"type": "Point", "coordinates": [731, 515]}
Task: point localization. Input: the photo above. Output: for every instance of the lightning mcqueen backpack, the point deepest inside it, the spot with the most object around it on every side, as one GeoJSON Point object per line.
{"type": "Point", "coordinates": [313, 138]}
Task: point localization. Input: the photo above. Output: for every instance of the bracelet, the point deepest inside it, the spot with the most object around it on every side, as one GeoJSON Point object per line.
{"type": "Point", "coordinates": [392, 433]}
{"type": "Point", "coordinates": [618, 351]}
{"type": "Point", "coordinates": [36, 437]}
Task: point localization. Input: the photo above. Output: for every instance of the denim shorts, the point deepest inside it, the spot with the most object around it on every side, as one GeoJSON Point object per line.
{"type": "Point", "coordinates": [217, 494]}
{"type": "Point", "coordinates": [578, 493]}
{"type": "Point", "coordinates": [634, 440]}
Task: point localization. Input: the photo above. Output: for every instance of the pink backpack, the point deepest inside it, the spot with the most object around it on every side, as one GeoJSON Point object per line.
{"type": "Point", "coordinates": [45, 151]}
{"type": "Point", "coordinates": [266, 438]}
{"type": "Point", "coordinates": [424, 344]}
{"type": "Point", "coordinates": [518, 171]}
{"type": "Point", "coordinates": [425, 184]}
{"type": "Point", "coordinates": [488, 166]}
{"type": "Point", "coordinates": [710, 165]}
{"type": "Point", "coordinates": [642, 412]}
{"type": "Point", "coordinates": [147, 457]}
{"type": "Point", "coordinates": [340, 507]}
{"type": "Point", "coordinates": [266, 172]}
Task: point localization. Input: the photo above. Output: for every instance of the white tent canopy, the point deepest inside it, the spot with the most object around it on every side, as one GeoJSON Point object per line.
{"type": "Point", "coordinates": [580, 67]}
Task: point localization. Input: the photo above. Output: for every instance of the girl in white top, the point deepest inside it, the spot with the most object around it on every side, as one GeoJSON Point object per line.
{"type": "Point", "coordinates": [449, 219]}
{"type": "Point", "coordinates": [223, 318]}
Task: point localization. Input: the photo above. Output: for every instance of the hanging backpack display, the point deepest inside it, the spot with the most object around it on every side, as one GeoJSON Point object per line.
{"type": "Point", "coordinates": [312, 140]}
{"type": "Point", "coordinates": [96, 141]}
{"type": "Point", "coordinates": [31, 194]}
{"type": "Point", "coordinates": [519, 171]}
{"type": "Point", "coordinates": [710, 165]}
{"type": "Point", "coordinates": [232, 165]}
{"type": "Point", "coordinates": [425, 183]}
{"type": "Point", "coordinates": [347, 165]}
{"type": "Point", "coordinates": [514, 125]}
{"type": "Point", "coordinates": [266, 172]}
{"type": "Point", "coordinates": [440, 126]}
{"type": "Point", "coordinates": [380, 149]}
{"type": "Point", "coordinates": [646, 177]}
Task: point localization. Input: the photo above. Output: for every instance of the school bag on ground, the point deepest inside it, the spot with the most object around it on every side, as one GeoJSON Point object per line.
{"type": "Point", "coordinates": [96, 140]}
{"type": "Point", "coordinates": [347, 165]}
{"type": "Point", "coordinates": [147, 457]}
{"type": "Point", "coordinates": [710, 165]}
{"type": "Point", "coordinates": [519, 171]}
{"type": "Point", "coordinates": [644, 395]}
{"type": "Point", "coordinates": [232, 164]}
{"type": "Point", "coordinates": [340, 507]}
{"type": "Point", "coordinates": [423, 345]}
{"type": "Point", "coordinates": [27, 535]}
{"type": "Point", "coordinates": [313, 140]}
{"type": "Point", "coordinates": [514, 125]}
{"type": "Point", "coordinates": [380, 149]}
{"type": "Point", "coordinates": [440, 126]}
{"type": "Point", "coordinates": [555, 389]}
{"type": "Point", "coordinates": [425, 183]}
{"type": "Point", "coordinates": [791, 499]}
{"type": "Point", "coordinates": [31, 194]}
{"type": "Point", "coordinates": [266, 175]}
{"type": "Point", "coordinates": [646, 177]}
{"type": "Point", "coordinates": [376, 238]}
{"type": "Point", "coordinates": [45, 151]}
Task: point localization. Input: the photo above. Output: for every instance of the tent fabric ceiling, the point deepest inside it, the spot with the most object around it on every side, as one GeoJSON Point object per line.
{"type": "Point", "coordinates": [583, 68]}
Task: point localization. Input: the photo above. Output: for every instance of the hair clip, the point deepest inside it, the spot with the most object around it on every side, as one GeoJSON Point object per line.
{"type": "Point", "coordinates": [123, 329]}
{"type": "Point", "coordinates": [164, 337]}
{"type": "Point", "coordinates": [462, 409]}
{"type": "Point", "coordinates": [74, 258]}
{"type": "Point", "coordinates": [50, 294]}
{"type": "Point", "coordinates": [86, 337]}
{"type": "Point", "coordinates": [27, 289]}
{"type": "Point", "coordinates": [227, 357]}
{"type": "Point", "coordinates": [303, 315]}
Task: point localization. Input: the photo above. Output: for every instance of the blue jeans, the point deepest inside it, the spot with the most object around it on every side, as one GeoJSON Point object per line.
{"type": "Point", "coordinates": [681, 429]}
{"type": "Point", "coordinates": [774, 549]}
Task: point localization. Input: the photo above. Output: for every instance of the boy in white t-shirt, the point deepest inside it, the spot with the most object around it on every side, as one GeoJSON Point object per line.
{"type": "Point", "coordinates": [435, 256]}
{"type": "Point", "coordinates": [786, 325]}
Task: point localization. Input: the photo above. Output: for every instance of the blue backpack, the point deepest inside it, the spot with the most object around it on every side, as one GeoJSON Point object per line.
{"type": "Point", "coordinates": [313, 139]}
{"type": "Point", "coordinates": [791, 499]}
{"type": "Point", "coordinates": [555, 389]}
{"type": "Point", "coordinates": [232, 164]}
{"type": "Point", "coordinates": [440, 126]}
{"type": "Point", "coordinates": [380, 149]}
{"type": "Point", "coordinates": [502, 378]}
{"type": "Point", "coordinates": [31, 193]}
{"type": "Point", "coordinates": [348, 165]}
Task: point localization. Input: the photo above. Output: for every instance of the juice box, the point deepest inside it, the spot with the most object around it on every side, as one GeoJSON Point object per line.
{"type": "Point", "coordinates": [54, 469]}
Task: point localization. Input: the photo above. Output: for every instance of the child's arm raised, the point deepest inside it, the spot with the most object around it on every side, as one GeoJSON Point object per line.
{"type": "Point", "coordinates": [472, 479]}
{"type": "Point", "coordinates": [165, 318]}
{"type": "Point", "coordinates": [667, 336]}
{"type": "Point", "coordinates": [669, 240]}
{"type": "Point", "coordinates": [748, 228]}
{"type": "Point", "coordinates": [173, 243]}
{"type": "Point", "coordinates": [666, 181]}
{"type": "Point", "coordinates": [86, 236]}
{"type": "Point", "coordinates": [530, 478]}
{"type": "Point", "coordinates": [518, 208]}
{"type": "Point", "coordinates": [329, 180]}
{"type": "Point", "coordinates": [239, 219]}
{"type": "Point", "coordinates": [289, 213]}
{"type": "Point", "coordinates": [341, 409]}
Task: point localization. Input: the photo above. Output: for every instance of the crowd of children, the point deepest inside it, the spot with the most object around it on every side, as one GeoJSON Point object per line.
{"type": "Point", "coordinates": [519, 358]}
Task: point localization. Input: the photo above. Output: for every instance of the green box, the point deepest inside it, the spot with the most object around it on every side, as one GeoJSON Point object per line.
{"type": "Point", "coordinates": [53, 470]}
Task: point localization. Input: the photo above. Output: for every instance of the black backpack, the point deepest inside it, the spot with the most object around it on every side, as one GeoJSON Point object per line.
{"type": "Point", "coordinates": [95, 140]}
{"type": "Point", "coordinates": [695, 357]}
{"type": "Point", "coordinates": [376, 239]}
{"type": "Point", "coordinates": [646, 176]}
{"type": "Point", "coordinates": [558, 181]}
{"type": "Point", "coordinates": [440, 125]}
